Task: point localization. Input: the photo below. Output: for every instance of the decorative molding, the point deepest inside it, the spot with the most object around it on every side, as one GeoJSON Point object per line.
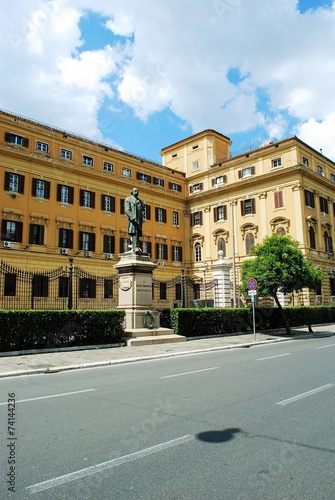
{"type": "Point", "coordinates": [249, 228]}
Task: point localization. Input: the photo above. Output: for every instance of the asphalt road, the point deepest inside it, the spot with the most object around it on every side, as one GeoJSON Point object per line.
{"type": "Point", "coordinates": [253, 423]}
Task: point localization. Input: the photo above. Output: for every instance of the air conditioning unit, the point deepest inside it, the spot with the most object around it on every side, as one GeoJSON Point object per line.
{"type": "Point", "coordinates": [64, 251]}
{"type": "Point", "coordinates": [109, 256]}
{"type": "Point", "coordinates": [161, 263]}
{"type": "Point", "coordinates": [87, 253]}
{"type": "Point", "coordinates": [7, 244]}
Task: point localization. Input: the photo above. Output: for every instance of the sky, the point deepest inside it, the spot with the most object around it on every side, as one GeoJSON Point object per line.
{"type": "Point", "coordinates": [141, 75]}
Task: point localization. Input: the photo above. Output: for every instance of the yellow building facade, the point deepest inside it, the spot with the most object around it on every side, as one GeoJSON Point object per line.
{"type": "Point", "coordinates": [63, 215]}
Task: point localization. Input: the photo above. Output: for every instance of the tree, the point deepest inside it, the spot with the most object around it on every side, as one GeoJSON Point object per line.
{"type": "Point", "coordinates": [280, 266]}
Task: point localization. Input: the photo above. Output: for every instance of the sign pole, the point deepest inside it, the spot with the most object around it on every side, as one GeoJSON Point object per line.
{"type": "Point", "coordinates": [252, 291]}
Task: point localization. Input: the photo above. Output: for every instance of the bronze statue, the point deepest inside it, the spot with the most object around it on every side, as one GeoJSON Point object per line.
{"type": "Point", "coordinates": [134, 210]}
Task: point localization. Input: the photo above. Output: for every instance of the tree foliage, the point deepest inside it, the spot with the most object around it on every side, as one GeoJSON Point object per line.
{"type": "Point", "coordinates": [279, 266]}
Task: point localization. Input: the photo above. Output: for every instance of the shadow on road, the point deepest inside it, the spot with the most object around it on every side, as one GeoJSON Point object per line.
{"type": "Point", "coordinates": [218, 436]}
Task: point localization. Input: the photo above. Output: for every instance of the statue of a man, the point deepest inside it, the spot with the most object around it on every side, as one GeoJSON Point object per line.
{"type": "Point", "coordinates": [134, 210]}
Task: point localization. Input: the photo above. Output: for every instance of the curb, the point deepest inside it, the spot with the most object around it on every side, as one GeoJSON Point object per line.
{"type": "Point", "coordinates": [58, 369]}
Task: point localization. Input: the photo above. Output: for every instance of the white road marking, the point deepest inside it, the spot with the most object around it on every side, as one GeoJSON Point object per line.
{"type": "Point", "coordinates": [305, 395]}
{"type": "Point", "coordinates": [190, 373]}
{"type": "Point", "coordinates": [94, 469]}
{"type": "Point", "coordinates": [324, 346]}
{"type": "Point", "coordinates": [51, 396]}
{"type": "Point", "coordinates": [276, 356]}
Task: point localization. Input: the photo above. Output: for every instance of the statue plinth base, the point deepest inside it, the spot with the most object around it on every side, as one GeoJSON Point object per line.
{"type": "Point", "coordinates": [135, 297]}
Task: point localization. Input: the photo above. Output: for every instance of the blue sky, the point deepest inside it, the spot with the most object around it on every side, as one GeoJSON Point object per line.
{"type": "Point", "coordinates": [143, 78]}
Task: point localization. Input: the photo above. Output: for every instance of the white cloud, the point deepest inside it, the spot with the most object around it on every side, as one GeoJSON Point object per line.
{"type": "Point", "coordinates": [319, 134]}
{"type": "Point", "coordinates": [173, 55]}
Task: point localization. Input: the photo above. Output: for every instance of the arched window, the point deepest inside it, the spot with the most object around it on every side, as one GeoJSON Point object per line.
{"type": "Point", "coordinates": [249, 241]}
{"type": "Point", "coordinates": [312, 242]}
{"type": "Point", "coordinates": [328, 243]}
{"type": "Point", "coordinates": [197, 250]}
{"type": "Point", "coordinates": [222, 246]}
{"type": "Point", "coordinates": [281, 231]}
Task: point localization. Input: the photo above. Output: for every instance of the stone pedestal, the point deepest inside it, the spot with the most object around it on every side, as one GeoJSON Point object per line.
{"type": "Point", "coordinates": [221, 273]}
{"type": "Point", "coordinates": [135, 297]}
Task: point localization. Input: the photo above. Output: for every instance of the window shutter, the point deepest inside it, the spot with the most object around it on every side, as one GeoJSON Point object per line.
{"type": "Point", "coordinates": [253, 206]}
{"type": "Point", "coordinates": [81, 199]}
{"type": "Point", "coordinates": [122, 206]}
{"type": "Point", "coordinates": [165, 252]}
{"type": "Point", "coordinates": [92, 199]}
{"type": "Point", "coordinates": [103, 202]}
{"type": "Point", "coordinates": [179, 188]}
{"type": "Point", "coordinates": [92, 242]}
{"type": "Point", "coordinates": [225, 212]}
{"type": "Point", "coordinates": [157, 250]}
{"type": "Point", "coordinates": [80, 240]}
{"type": "Point", "coordinates": [19, 226]}
{"type": "Point", "coordinates": [224, 179]}
{"type": "Point", "coordinates": [192, 220]}
{"type": "Point", "coordinates": [47, 190]}
{"type": "Point", "coordinates": [59, 190]}
{"type": "Point", "coordinates": [239, 174]}
{"type": "Point", "coordinates": [7, 136]}
{"type": "Point", "coordinates": [31, 233]}
{"type": "Point", "coordinates": [242, 208]}
{"type": "Point", "coordinates": [215, 212]}
{"type": "Point", "coordinates": [164, 215]}
{"type": "Point", "coordinates": [41, 241]}
{"type": "Point", "coordinates": [138, 175]}
{"type": "Point", "coordinates": [6, 185]}
{"type": "Point", "coordinates": [201, 186]}
{"type": "Point", "coordinates": [21, 184]}
{"type": "Point", "coordinates": [71, 192]}
{"type": "Point", "coordinates": [200, 217]}
{"type": "Point", "coordinates": [70, 238]}
{"type": "Point", "coordinates": [148, 178]}
{"type": "Point", "coordinates": [3, 229]}
{"type": "Point", "coordinates": [112, 204]}
{"type": "Point", "coordinates": [60, 236]}
{"type": "Point", "coordinates": [33, 187]}
{"type": "Point", "coordinates": [213, 182]}
{"type": "Point", "coordinates": [252, 170]}
{"type": "Point", "coordinates": [156, 214]}
{"type": "Point", "coordinates": [147, 212]}
{"type": "Point", "coordinates": [191, 189]}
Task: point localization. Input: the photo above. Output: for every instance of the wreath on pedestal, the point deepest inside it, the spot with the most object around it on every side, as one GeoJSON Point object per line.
{"type": "Point", "coordinates": [148, 320]}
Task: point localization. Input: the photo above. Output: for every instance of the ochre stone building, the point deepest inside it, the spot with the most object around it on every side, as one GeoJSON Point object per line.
{"type": "Point", "coordinates": [62, 215]}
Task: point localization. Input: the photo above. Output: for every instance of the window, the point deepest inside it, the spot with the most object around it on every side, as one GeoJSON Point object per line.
{"type": "Point", "coordinates": [143, 177]}
{"type": "Point", "coordinates": [147, 212]}
{"type": "Point", "coordinates": [217, 181]}
{"type": "Point", "coordinates": [278, 199]}
{"type": "Point", "coordinates": [63, 286]}
{"type": "Point", "coordinates": [320, 171]}
{"type": "Point", "coordinates": [161, 251]}
{"type": "Point", "coordinates": [195, 165]}
{"type": "Point", "coordinates": [86, 241]}
{"type": "Point", "coordinates": [309, 199]}
{"type": "Point", "coordinates": [66, 154]}
{"type": "Point", "coordinates": [87, 288]}
{"type": "Point", "coordinates": [162, 291]}
{"type": "Point", "coordinates": [323, 205]}
{"type": "Point", "coordinates": [16, 139]}
{"type": "Point", "coordinates": [65, 193]}
{"type": "Point", "coordinates": [196, 146]}
{"type": "Point", "coordinates": [10, 285]}
{"type": "Point", "coordinates": [177, 293]}
{"type": "Point", "coordinates": [40, 285]}
{"type": "Point", "coordinates": [108, 167]}
{"type": "Point", "coordinates": [107, 203]}
{"type": "Point", "coordinates": [281, 231]}
{"type": "Point", "coordinates": [196, 219]}
{"type": "Point", "coordinates": [245, 172]}
{"type": "Point", "coordinates": [328, 243]}
{"type": "Point", "coordinates": [65, 238]}
{"type": "Point", "coordinates": [11, 230]}
{"type": "Point", "coordinates": [175, 187]}
{"type": "Point", "coordinates": [197, 252]}
{"type": "Point", "coordinates": [160, 215]}
{"type": "Point", "coordinates": [36, 234]}
{"type": "Point", "coordinates": [87, 198]}
{"type": "Point", "coordinates": [222, 246]}
{"type": "Point", "coordinates": [332, 177]}
{"type": "Point", "coordinates": [248, 207]}
{"type": "Point", "coordinates": [305, 161]}
{"type": "Point", "coordinates": [88, 160]}
{"type": "Point", "coordinates": [159, 182]}
{"type": "Point", "coordinates": [177, 253]}
{"type": "Point", "coordinates": [42, 146]}
{"type": "Point", "coordinates": [196, 291]}
{"type": "Point", "coordinates": [196, 187]}
{"type": "Point", "coordinates": [14, 183]}
{"type": "Point", "coordinates": [126, 172]}
{"type": "Point", "coordinates": [40, 188]}
{"type": "Point", "coordinates": [276, 162]}
{"type": "Point", "coordinates": [220, 213]}
{"type": "Point", "coordinates": [108, 289]}
{"type": "Point", "coordinates": [174, 155]}
{"type": "Point", "coordinates": [332, 286]}
{"type": "Point", "coordinates": [146, 247]}
{"type": "Point", "coordinates": [312, 240]}
{"type": "Point", "coordinates": [125, 245]}
{"type": "Point", "coordinates": [109, 243]}
{"type": "Point", "coordinates": [249, 241]}
{"type": "Point", "coordinates": [175, 218]}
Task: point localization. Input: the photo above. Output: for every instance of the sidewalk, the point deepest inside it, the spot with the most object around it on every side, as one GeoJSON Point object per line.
{"type": "Point", "coordinates": [76, 358]}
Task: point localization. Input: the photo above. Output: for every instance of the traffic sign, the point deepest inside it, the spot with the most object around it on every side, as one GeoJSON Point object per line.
{"type": "Point", "coordinates": [252, 284]}
{"type": "Point", "coordinates": [252, 292]}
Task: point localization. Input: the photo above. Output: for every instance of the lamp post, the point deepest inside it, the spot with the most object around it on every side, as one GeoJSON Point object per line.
{"type": "Point", "coordinates": [182, 287]}
{"type": "Point", "coordinates": [69, 295]}
{"type": "Point", "coordinates": [203, 269]}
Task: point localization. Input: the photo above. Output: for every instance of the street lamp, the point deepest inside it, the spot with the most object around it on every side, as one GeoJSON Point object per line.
{"type": "Point", "coordinates": [203, 269]}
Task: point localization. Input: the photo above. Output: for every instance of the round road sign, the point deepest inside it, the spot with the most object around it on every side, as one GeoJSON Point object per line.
{"type": "Point", "coordinates": [252, 284]}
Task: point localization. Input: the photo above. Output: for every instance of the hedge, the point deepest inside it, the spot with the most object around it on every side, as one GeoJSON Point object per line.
{"type": "Point", "coordinates": [38, 329]}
